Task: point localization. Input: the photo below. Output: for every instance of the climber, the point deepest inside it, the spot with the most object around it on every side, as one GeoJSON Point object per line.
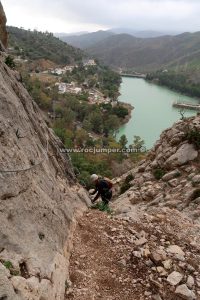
{"type": "Point", "coordinates": [103, 188]}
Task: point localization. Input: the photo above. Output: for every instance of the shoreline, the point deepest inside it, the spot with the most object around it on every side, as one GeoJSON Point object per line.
{"type": "Point", "coordinates": [177, 90]}
{"type": "Point", "coordinates": [130, 109]}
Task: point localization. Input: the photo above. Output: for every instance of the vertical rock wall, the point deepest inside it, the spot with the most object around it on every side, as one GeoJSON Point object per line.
{"type": "Point", "coordinates": [3, 31]}
{"type": "Point", "coordinates": [39, 199]}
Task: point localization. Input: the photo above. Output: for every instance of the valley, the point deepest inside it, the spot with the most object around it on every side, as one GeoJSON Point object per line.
{"type": "Point", "coordinates": [66, 114]}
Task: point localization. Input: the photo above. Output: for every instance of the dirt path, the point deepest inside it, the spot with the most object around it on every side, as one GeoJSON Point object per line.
{"type": "Point", "coordinates": [99, 268]}
{"type": "Point", "coordinates": [111, 260]}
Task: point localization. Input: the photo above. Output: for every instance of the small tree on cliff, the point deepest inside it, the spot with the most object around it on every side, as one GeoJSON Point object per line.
{"type": "Point", "coordinates": [123, 141]}
{"type": "Point", "coordinates": [138, 143]}
{"type": "Point", "coordinates": [10, 62]}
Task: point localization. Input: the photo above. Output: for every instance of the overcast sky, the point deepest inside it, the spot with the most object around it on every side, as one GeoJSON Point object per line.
{"type": "Point", "coordinates": [92, 15]}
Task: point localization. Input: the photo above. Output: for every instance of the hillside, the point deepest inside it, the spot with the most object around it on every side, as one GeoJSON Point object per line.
{"type": "Point", "coordinates": [149, 54]}
{"type": "Point", "coordinates": [35, 45]}
{"type": "Point", "coordinates": [149, 247]}
{"type": "Point", "coordinates": [87, 40]}
{"type": "Point", "coordinates": [142, 33]}
{"type": "Point", "coordinates": [84, 41]}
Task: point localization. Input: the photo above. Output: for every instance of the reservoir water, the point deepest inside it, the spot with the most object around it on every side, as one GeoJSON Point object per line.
{"type": "Point", "coordinates": [153, 111]}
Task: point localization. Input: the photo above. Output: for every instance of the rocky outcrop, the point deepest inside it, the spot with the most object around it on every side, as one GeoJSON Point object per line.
{"type": "Point", "coordinates": [39, 199]}
{"type": "Point", "coordinates": [165, 197]}
{"type": "Point", "coordinates": [169, 176]}
{"type": "Point", "coordinates": [3, 31]}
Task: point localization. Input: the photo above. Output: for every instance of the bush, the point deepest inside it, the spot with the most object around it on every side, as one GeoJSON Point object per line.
{"type": "Point", "coordinates": [129, 178]}
{"type": "Point", "coordinates": [126, 184]}
{"type": "Point", "coordinates": [124, 187]}
{"type": "Point", "coordinates": [10, 62]}
{"type": "Point", "coordinates": [61, 133]}
{"type": "Point", "coordinates": [10, 267]}
{"type": "Point", "coordinates": [158, 173]}
{"type": "Point", "coordinates": [102, 207]}
{"type": "Point", "coordinates": [120, 111]}
{"type": "Point", "coordinates": [8, 264]}
{"type": "Point", "coordinates": [193, 137]}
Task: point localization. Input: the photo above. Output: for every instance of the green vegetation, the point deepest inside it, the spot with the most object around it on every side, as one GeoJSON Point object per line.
{"type": "Point", "coordinates": [176, 81]}
{"type": "Point", "coordinates": [75, 118]}
{"type": "Point", "coordinates": [34, 45]}
{"type": "Point", "coordinates": [86, 40]}
{"type": "Point", "coordinates": [147, 55]}
{"type": "Point", "coordinates": [85, 165]}
{"type": "Point", "coordinates": [126, 184]}
{"type": "Point", "coordinates": [138, 143]}
{"type": "Point", "coordinates": [158, 173]}
{"type": "Point", "coordinates": [81, 125]}
{"type": "Point", "coordinates": [9, 61]}
{"type": "Point", "coordinates": [97, 77]}
{"type": "Point", "coordinates": [120, 111]}
{"type": "Point", "coordinates": [10, 267]}
{"type": "Point", "coordinates": [123, 141]}
{"type": "Point", "coordinates": [8, 264]}
{"type": "Point", "coordinates": [193, 137]}
{"type": "Point", "coordinates": [102, 207]}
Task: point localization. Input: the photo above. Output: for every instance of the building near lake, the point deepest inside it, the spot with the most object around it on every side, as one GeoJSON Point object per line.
{"type": "Point", "coordinates": [89, 62]}
{"type": "Point", "coordinates": [68, 88]}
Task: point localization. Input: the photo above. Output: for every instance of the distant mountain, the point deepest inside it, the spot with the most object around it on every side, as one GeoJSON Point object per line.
{"type": "Point", "coordinates": [142, 33]}
{"type": "Point", "coordinates": [36, 45]}
{"type": "Point", "coordinates": [128, 52]}
{"type": "Point", "coordinates": [86, 40]}
{"type": "Point", "coordinates": [64, 34]}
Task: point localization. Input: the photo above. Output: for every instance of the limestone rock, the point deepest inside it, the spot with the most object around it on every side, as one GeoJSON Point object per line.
{"type": "Point", "coordinates": [190, 281]}
{"type": "Point", "coordinates": [196, 179]}
{"type": "Point", "coordinates": [157, 257]}
{"type": "Point", "coordinates": [162, 271]}
{"type": "Point", "coordinates": [174, 249]}
{"type": "Point", "coordinates": [185, 153]}
{"type": "Point", "coordinates": [6, 288]}
{"type": "Point", "coordinates": [175, 278]}
{"type": "Point", "coordinates": [171, 175]}
{"type": "Point", "coordinates": [141, 241]}
{"type": "Point", "coordinates": [167, 264]}
{"type": "Point", "coordinates": [38, 204]}
{"type": "Point", "coordinates": [185, 293]}
{"type": "Point", "coordinates": [3, 31]}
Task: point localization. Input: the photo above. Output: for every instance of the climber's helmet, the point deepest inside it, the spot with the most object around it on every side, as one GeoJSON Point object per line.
{"type": "Point", "coordinates": [94, 178]}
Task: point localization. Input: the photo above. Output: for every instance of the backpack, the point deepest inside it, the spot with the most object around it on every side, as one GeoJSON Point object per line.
{"type": "Point", "coordinates": [109, 182]}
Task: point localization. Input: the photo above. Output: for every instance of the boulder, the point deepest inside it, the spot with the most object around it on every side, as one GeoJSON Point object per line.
{"type": "Point", "coordinates": [190, 281]}
{"type": "Point", "coordinates": [185, 293]}
{"type": "Point", "coordinates": [171, 175]}
{"type": "Point", "coordinates": [167, 264]}
{"type": "Point", "coordinates": [6, 287]}
{"type": "Point", "coordinates": [141, 241]}
{"type": "Point", "coordinates": [196, 179]}
{"type": "Point", "coordinates": [175, 278]}
{"type": "Point", "coordinates": [174, 249]}
{"type": "Point", "coordinates": [184, 154]}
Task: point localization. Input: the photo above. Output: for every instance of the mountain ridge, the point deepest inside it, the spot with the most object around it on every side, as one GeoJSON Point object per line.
{"type": "Point", "coordinates": [149, 54]}
{"type": "Point", "coordinates": [36, 45]}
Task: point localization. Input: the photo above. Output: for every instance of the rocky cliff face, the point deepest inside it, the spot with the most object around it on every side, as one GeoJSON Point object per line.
{"type": "Point", "coordinates": [3, 31]}
{"type": "Point", "coordinates": [164, 201]}
{"type": "Point", "coordinates": [39, 198]}
{"type": "Point", "coordinates": [170, 175]}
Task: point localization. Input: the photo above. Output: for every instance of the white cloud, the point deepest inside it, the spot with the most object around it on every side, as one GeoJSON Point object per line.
{"type": "Point", "coordinates": [71, 15]}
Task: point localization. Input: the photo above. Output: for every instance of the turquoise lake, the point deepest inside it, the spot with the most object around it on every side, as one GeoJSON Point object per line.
{"type": "Point", "coordinates": [153, 111]}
